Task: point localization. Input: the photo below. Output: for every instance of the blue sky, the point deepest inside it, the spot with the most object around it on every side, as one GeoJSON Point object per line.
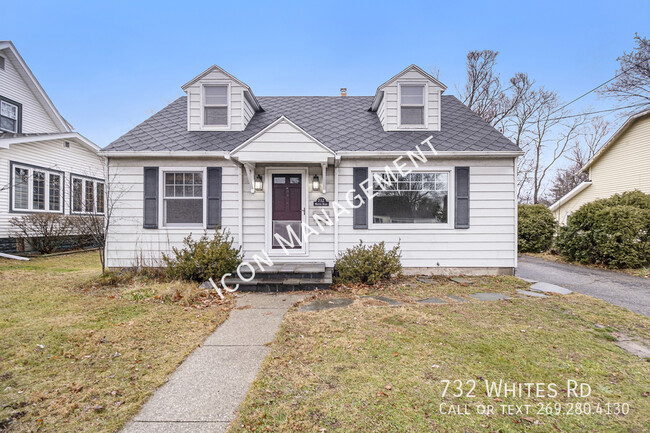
{"type": "Point", "coordinates": [109, 65]}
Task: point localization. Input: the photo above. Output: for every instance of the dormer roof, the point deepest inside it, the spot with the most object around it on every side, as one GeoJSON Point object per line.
{"type": "Point", "coordinates": [251, 96]}
{"type": "Point", "coordinates": [379, 93]}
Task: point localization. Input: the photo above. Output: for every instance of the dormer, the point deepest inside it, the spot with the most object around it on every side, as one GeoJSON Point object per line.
{"type": "Point", "coordinates": [217, 101]}
{"type": "Point", "coordinates": [409, 101]}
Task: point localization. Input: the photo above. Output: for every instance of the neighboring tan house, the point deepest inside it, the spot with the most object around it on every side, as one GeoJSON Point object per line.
{"type": "Point", "coordinates": [622, 164]}
{"type": "Point", "coordinates": [44, 165]}
{"type": "Point", "coordinates": [268, 168]}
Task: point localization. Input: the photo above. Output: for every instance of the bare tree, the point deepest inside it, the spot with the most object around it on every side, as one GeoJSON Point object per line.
{"type": "Point", "coordinates": [483, 92]}
{"type": "Point", "coordinates": [632, 84]}
{"type": "Point", "coordinates": [96, 222]}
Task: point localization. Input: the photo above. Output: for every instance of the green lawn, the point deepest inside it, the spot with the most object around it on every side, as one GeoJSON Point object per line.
{"type": "Point", "coordinates": [77, 357]}
{"type": "Point", "coordinates": [381, 369]}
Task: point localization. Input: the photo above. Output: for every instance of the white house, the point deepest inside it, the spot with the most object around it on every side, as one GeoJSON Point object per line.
{"type": "Point", "coordinates": [44, 165]}
{"type": "Point", "coordinates": [407, 165]}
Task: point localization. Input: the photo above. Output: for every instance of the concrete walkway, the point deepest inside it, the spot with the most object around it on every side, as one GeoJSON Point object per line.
{"type": "Point", "coordinates": [616, 288]}
{"type": "Point", "coordinates": [203, 394]}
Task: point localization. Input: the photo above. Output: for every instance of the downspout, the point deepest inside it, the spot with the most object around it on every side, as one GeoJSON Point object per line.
{"type": "Point", "coordinates": [337, 161]}
{"type": "Point", "coordinates": [516, 212]}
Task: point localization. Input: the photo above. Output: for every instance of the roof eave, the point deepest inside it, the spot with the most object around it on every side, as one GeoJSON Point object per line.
{"type": "Point", "coordinates": [569, 195]}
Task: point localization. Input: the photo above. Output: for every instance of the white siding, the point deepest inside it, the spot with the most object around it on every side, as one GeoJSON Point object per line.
{"type": "Point", "coordinates": [489, 242]}
{"type": "Point", "coordinates": [248, 112]}
{"type": "Point", "coordinates": [128, 243]}
{"type": "Point", "coordinates": [35, 118]}
{"type": "Point", "coordinates": [239, 114]}
{"type": "Point", "coordinates": [77, 159]}
{"type": "Point", "coordinates": [389, 107]}
{"type": "Point", "coordinates": [623, 167]}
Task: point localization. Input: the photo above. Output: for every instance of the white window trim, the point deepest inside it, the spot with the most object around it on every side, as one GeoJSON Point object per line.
{"type": "Point", "coordinates": [30, 189]}
{"type": "Point", "coordinates": [449, 225]}
{"type": "Point", "coordinates": [17, 117]}
{"type": "Point", "coordinates": [425, 98]}
{"type": "Point", "coordinates": [268, 211]}
{"type": "Point", "coordinates": [85, 179]}
{"type": "Point", "coordinates": [161, 198]}
{"type": "Point", "coordinates": [227, 126]}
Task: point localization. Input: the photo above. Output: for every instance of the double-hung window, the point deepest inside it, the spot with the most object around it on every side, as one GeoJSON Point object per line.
{"type": "Point", "coordinates": [412, 104]}
{"type": "Point", "coordinates": [183, 198]}
{"type": "Point", "coordinates": [416, 198]}
{"type": "Point", "coordinates": [87, 195]}
{"type": "Point", "coordinates": [8, 116]}
{"type": "Point", "coordinates": [215, 105]}
{"type": "Point", "coordinates": [36, 189]}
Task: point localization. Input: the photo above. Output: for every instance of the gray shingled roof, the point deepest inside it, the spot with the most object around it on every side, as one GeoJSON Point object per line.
{"type": "Point", "coordinates": [340, 123]}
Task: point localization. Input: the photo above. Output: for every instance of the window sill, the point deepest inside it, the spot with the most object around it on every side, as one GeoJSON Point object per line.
{"type": "Point", "coordinates": [419, 227]}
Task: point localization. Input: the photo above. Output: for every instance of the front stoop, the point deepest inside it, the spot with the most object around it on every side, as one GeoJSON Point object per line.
{"type": "Point", "coordinates": [285, 277]}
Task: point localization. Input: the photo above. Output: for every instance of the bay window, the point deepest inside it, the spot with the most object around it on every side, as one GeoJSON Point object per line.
{"type": "Point", "coordinates": [35, 189]}
{"type": "Point", "coordinates": [183, 198]}
{"type": "Point", "coordinates": [416, 198]}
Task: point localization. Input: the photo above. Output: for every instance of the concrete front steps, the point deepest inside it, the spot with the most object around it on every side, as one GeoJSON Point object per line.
{"type": "Point", "coordinates": [285, 277]}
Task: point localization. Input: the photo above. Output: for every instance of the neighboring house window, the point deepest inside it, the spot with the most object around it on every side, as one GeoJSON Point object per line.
{"type": "Point", "coordinates": [412, 104]}
{"type": "Point", "coordinates": [215, 105]}
{"type": "Point", "coordinates": [183, 199]}
{"type": "Point", "coordinates": [417, 198]}
{"type": "Point", "coordinates": [87, 195]}
{"type": "Point", "coordinates": [36, 189]}
{"type": "Point", "coordinates": [9, 116]}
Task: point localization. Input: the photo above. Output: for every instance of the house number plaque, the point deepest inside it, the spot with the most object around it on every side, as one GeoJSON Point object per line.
{"type": "Point", "coordinates": [320, 201]}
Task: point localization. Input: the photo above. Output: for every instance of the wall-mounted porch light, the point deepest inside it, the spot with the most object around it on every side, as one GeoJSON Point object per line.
{"type": "Point", "coordinates": [258, 183]}
{"type": "Point", "coordinates": [315, 183]}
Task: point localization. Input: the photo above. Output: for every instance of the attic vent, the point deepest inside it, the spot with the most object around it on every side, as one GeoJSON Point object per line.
{"type": "Point", "coordinates": [2, 63]}
{"type": "Point", "coordinates": [66, 144]}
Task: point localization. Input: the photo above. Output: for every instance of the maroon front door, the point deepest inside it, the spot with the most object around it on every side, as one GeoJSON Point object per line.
{"type": "Point", "coordinates": [286, 208]}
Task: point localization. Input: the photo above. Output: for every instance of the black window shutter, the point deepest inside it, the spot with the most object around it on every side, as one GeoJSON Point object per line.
{"type": "Point", "coordinates": [214, 197]}
{"type": "Point", "coordinates": [150, 198]}
{"type": "Point", "coordinates": [462, 198]}
{"type": "Point", "coordinates": [360, 214]}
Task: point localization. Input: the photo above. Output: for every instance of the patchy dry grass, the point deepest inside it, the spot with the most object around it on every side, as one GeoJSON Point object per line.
{"type": "Point", "coordinates": [640, 272]}
{"type": "Point", "coordinates": [379, 369]}
{"type": "Point", "coordinates": [78, 357]}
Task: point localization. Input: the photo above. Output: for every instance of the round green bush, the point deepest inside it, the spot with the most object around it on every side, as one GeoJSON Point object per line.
{"type": "Point", "coordinates": [537, 227]}
{"type": "Point", "coordinates": [204, 259]}
{"type": "Point", "coordinates": [612, 231]}
{"type": "Point", "coordinates": [368, 264]}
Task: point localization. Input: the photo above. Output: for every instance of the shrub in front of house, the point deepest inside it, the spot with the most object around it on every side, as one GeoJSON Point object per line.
{"type": "Point", "coordinates": [209, 257]}
{"type": "Point", "coordinates": [614, 232]}
{"type": "Point", "coordinates": [368, 264]}
{"type": "Point", "coordinates": [43, 232]}
{"type": "Point", "coordinates": [536, 228]}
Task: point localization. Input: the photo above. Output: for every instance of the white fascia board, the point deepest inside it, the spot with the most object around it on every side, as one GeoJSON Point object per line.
{"type": "Point", "coordinates": [47, 137]}
{"type": "Point", "coordinates": [569, 195]}
{"type": "Point", "coordinates": [163, 154]}
{"type": "Point", "coordinates": [40, 92]}
{"type": "Point", "coordinates": [439, 154]}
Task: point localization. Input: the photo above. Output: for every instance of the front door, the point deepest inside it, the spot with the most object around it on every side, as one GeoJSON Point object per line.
{"type": "Point", "coordinates": [286, 208]}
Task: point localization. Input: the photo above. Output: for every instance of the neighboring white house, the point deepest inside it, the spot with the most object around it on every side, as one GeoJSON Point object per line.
{"type": "Point", "coordinates": [622, 164]}
{"type": "Point", "coordinates": [266, 166]}
{"type": "Point", "coordinates": [44, 165]}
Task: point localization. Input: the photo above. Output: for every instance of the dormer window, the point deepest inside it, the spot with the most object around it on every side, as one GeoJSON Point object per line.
{"type": "Point", "coordinates": [412, 104]}
{"type": "Point", "coordinates": [215, 105]}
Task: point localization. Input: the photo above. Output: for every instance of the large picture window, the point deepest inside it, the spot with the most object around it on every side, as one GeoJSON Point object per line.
{"type": "Point", "coordinates": [215, 105]}
{"type": "Point", "coordinates": [417, 198]}
{"type": "Point", "coordinates": [87, 195]}
{"type": "Point", "coordinates": [183, 199]}
{"type": "Point", "coordinates": [36, 189]}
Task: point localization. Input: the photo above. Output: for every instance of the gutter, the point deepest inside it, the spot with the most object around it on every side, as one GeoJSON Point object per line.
{"type": "Point", "coordinates": [440, 154]}
{"type": "Point", "coordinates": [162, 154]}
{"type": "Point", "coordinates": [569, 195]}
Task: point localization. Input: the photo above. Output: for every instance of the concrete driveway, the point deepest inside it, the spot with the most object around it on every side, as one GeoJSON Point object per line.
{"type": "Point", "coordinates": [616, 288]}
